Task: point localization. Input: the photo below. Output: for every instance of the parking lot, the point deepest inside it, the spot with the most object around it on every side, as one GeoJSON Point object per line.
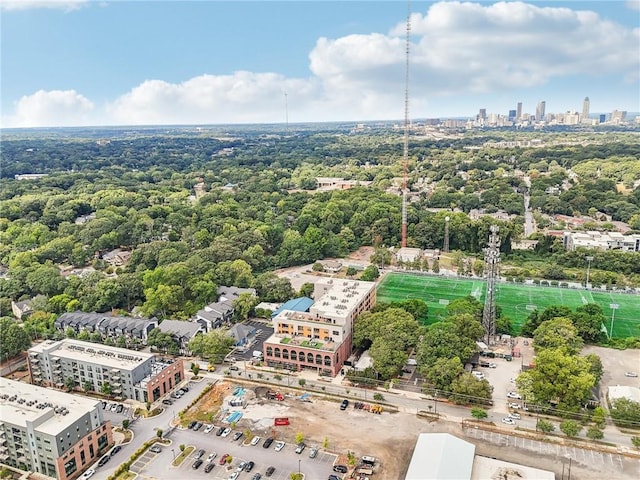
{"type": "Point", "coordinates": [263, 331]}
{"type": "Point", "coordinates": [115, 416]}
{"type": "Point", "coordinates": [285, 462]}
{"type": "Point", "coordinates": [590, 458]}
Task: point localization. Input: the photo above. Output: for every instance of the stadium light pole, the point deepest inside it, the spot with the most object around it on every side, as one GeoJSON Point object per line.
{"type": "Point", "coordinates": [613, 307]}
{"type": "Point", "coordinates": [589, 260]}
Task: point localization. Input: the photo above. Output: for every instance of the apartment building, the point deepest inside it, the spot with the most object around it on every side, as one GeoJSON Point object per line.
{"type": "Point", "coordinates": [50, 432]}
{"type": "Point", "coordinates": [320, 339]}
{"type": "Point", "coordinates": [111, 370]}
{"type": "Point", "coordinates": [602, 241]}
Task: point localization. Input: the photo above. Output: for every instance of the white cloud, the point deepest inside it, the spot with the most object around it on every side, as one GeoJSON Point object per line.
{"type": "Point", "coordinates": [242, 97]}
{"type": "Point", "coordinates": [32, 4]}
{"type": "Point", "coordinates": [52, 108]}
{"type": "Point", "coordinates": [633, 4]}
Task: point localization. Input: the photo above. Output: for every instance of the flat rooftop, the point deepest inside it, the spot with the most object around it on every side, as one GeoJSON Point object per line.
{"type": "Point", "coordinates": [340, 297]}
{"type": "Point", "coordinates": [484, 467]}
{"type": "Point", "coordinates": [285, 341]}
{"type": "Point", "coordinates": [111, 357]}
{"type": "Point", "coordinates": [19, 404]}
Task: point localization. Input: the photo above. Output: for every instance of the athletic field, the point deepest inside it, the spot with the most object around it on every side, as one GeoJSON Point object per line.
{"type": "Point", "coordinates": [516, 300]}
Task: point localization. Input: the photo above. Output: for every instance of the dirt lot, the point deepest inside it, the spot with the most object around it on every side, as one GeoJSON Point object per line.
{"type": "Point", "coordinates": [390, 437]}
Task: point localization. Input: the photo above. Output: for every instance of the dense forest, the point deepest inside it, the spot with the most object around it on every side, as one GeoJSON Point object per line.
{"type": "Point", "coordinates": [202, 207]}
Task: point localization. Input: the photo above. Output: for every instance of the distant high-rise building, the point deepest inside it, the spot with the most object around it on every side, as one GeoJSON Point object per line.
{"type": "Point", "coordinates": [585, 109]}
{"type": "Point", "coordinates": [519, 111]}
{"type": "Point", "coordinates": [603, 118]}
{"type": "Point", "coordinates": [540, 109]}
{"type": "Point", "coordinates": [483, 114]}
{"type": "Point", "coordinates": [512, 115]}
{"type": "Point", "coordinates": [618, 116]}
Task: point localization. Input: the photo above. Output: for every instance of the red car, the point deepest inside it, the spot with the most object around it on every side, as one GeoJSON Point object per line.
{"type": "Point", "coordinates": [223, 459]}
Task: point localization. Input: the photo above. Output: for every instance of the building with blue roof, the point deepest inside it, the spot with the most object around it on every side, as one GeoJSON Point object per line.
{"type": "Point", "coordinates": [300, 304]}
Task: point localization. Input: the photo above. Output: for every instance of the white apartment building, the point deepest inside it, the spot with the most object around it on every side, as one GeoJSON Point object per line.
{"type": "Point", "coordinates": [50, 432]}
{"type": "Point", "coordinates": [129, 374]}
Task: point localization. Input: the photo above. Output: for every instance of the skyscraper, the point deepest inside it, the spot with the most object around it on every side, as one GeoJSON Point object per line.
{"type": "Point", "coordinates": [585, 110]}
{"type": "Point", "coordinates": [540, 111]}
{"type": "Point", "coordinates": [519, 111]}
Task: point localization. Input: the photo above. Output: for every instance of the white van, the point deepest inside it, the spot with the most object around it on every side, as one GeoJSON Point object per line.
{"type": "Point", "coordinates": [257, 354]}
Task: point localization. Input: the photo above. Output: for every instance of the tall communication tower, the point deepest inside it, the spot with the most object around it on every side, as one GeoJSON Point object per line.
{"type": "Point", "coordinates": [445, 245]}
{"type": "Point", "coordinates": [405, 156]}
{"type": "Point", "coordinates": [286, 113]}
{"type": "Point", "coordinates": [491, 268]}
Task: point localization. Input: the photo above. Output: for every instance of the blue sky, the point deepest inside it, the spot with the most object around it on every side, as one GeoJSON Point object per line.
{"type": "Point", "coordinates": [78, 62]}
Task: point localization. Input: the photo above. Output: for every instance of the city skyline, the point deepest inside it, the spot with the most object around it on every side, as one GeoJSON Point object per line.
{"type": "Point", "coordinates": [85, 63]}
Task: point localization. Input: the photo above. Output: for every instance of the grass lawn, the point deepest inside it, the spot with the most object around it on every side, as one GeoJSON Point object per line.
{"type": "Point", "coordinates": [516, 300]}
{"type": "Point", "coordinates": [184, 454]}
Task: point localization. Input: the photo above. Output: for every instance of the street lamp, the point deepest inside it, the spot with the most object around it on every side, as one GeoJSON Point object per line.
{"type": "Point", "coordinates": [589, 260]}
{"type": "Point", "coordinates": [299, 467]}
{"type": "Point", "coordinates": [613, 307]}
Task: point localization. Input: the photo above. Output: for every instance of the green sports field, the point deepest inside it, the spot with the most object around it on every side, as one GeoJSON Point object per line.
{"type": "Point", "coordinates": [516, 300]}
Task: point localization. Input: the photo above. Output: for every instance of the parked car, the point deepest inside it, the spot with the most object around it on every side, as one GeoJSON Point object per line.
{"type": "Point", "coordinates": [211, 456]}
{"type": "Point", "coordinates": [478, 375]}
{"type": "Point", "coordinates": [514, 405]}
{"type": "Point", "coordinates": [197, 426]}
{"type": "Point", "coordinates": [514, 415]}
{"type": "Point", "coordinates": [104, 404]}
{"type": "Point", "coordinates": [226, 432]}
{"type": "Point", "coordinates": [241, 466]}
{"type": "Point", "coordinates": [344, 404]}
{"type": "Point", "coordinates": [508, 421]}
{"type": "Point", "coordinates": [340, 468]}
{"type": "Point", "coordinates": [514, 395]}
{"type": "Point", "coordinates": [88, 474]}
{"type": "Point", "coordinates": [630, 374]}
{"type": "Point", "coordinates": [209, 467]}
{"type": "Point", "coordinates": [249, 466]}
{"type": "Point", "coordinates": [267, 442]}
{"type": "Point", "coordinates": [255, 440]}
{"type": "Point", "coordinates": [333, 477]}
{"type": "Point", "coordinates": [220, 431]}
{"type": "Point", "coordinates": [192, 424]}
{"type": "Point", "coordinates": [237, 436]}
{"type": "Point", "coordinates": [313, 453]}
{"type": "Point", "coordinates": [493, 365]}
{"type": "Point", "coordinates": [234, 476]}
{"type": "Point", "coordinates": [256, 476]}
{"type": "Point", "coordinates": [103, 460]}
{"type": "Point", "coordinates": [184, 389]}
{"type": "Point", "coordinates": [279, 446]}
{"type": "Point", "coordinates": [120, 408]}
{"type": "Point", "coordinates": [196, 464]}
{"type": "Point", "coordinates": [300, 448]}
{"type": "Point", "coordinates": [115, 450]}
{"type": "Point", "coordinates": [208, 428]}
{"type": "Point", "coordinates": [269, 471]}
{"type": "Point", "coordinates": [155, 449]}
{"type": "Point", "coordinates": [199, 453]}
{"type": "Point", "coordinates": [114, 407]}
{"type": "Point", "coordinates": [223, 459]}
{"type": "Point", "coordinates": [166, 401]}
{"type": "Point", "coordinates": [235, 368]}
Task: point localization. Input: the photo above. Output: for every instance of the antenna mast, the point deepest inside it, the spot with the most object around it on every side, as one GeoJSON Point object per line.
{"type": "Point", "coordinates": [286, 113]}
{"type": "Point", "coordinates": [405, 156]}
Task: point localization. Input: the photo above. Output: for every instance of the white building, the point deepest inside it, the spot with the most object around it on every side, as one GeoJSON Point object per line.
{"type": "Point", "coordinates": [602, 241]}
{"type": "Point", "coordinates": [50, 432]}
{"type": "Point", "coordinates": [129, 374]}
